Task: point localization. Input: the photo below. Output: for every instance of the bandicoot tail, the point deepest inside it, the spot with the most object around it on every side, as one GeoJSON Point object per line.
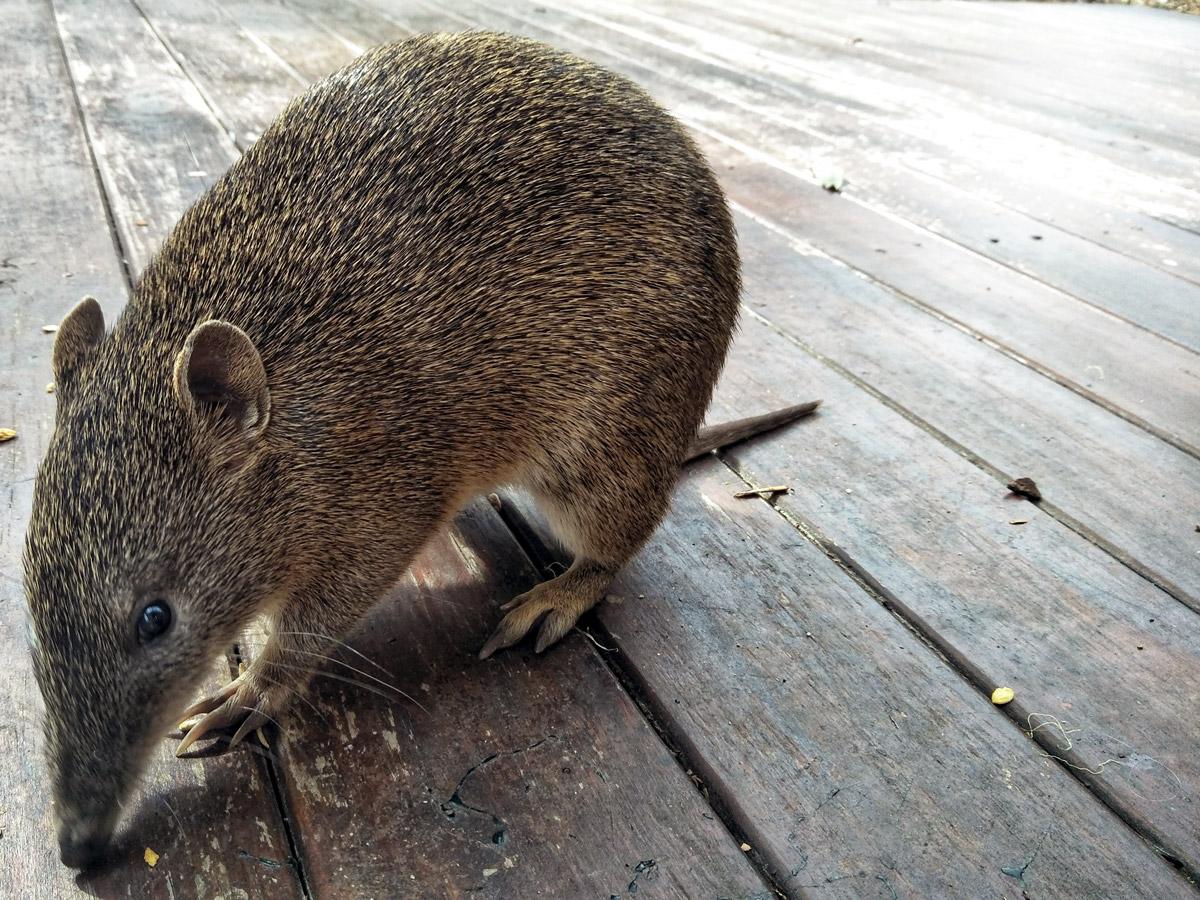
{"type": "Point", "coordinates": [716, 437]}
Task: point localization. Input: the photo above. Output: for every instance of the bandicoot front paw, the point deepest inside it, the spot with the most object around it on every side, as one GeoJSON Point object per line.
{"type": "Point", "coordinates": [228, 716]}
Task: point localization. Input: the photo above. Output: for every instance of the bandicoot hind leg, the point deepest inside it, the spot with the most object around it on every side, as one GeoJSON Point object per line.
{"type": "Point", "coordinates": [561, 601]}
{"type": "Point", "coordinates": [604, 520]}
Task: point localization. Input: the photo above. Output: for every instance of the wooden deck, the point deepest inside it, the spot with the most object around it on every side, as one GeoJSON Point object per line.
{"type": "Point", "coordinates": [780, 698]}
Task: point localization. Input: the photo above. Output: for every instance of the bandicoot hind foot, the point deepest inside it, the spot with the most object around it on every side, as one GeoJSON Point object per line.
{"type": "Point", "coordinates": [561, 601]}
{"type": "Point", "coordinates": [226, 716]}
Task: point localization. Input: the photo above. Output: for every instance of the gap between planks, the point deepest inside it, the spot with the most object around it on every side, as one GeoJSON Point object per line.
{"type": "Point", "coordinates": [1044, 506]}
{"type": "Point", "coordinates": [102, 188]}
{"type": "Point", "coordinates": [543, 561]}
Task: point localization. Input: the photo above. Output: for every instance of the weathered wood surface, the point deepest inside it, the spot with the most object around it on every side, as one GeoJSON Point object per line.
{"type": "Point", "coordinates": [525, 776]}
{"type": "Point", "coordinates": [1031, 605]}
{"type": "Point", "coordinates": [860, 765]}
{"type": "Point", "coordinates": [952, 136]}
{"type": "Point", "coordinates": [215, 825]}
{"type": "Point", "coordinates": [1057, 541]}
{"type": "Point", "coordinates": [887, 774]}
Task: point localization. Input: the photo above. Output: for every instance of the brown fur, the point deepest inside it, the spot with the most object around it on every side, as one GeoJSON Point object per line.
{"type": "Point", "coordinates": [462, 261]}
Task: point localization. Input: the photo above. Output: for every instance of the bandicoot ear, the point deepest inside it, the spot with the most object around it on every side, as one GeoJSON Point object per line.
{"type": "Point", "coordinates": [78, 335]}
{"type": "Point", "coordinates": [219, 373]}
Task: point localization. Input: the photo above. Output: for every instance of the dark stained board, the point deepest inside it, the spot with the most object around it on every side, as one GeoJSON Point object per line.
{"type": "Point", "coordinates": [214, 824]}
{"type": "Point", "coordinates": [1111, 576]}
{"type": "Point", "coordinates": [524, 776]}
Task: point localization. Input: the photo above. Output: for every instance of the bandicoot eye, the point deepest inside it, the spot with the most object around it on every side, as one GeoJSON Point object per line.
{"type": "Point", "coordinates": [153, 621]}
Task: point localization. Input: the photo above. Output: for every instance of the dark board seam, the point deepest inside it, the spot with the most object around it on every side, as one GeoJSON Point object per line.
{"type": "Point", "coordinates": [270, 768]}
{"type": "Point", "coordinates": [1126, 559]}
{"type": "Point", "coordinates": [179, 61]}
{"type": "Point", "coordinates": [1043, 370]}
{"type": "Point", "coordinates": [1173, 224]}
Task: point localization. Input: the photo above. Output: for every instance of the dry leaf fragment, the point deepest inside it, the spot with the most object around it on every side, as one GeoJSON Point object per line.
{"type": "Point", "coordinates": [1026, 487]}
{"type": "Point", "coordinates": [764, 493]}
{"type": "Point", "coordinates": [1002, 695]}
{"type": "Point", "coordinates": [6, 434]}
{"type": "Point", "coordinates": [150, 857]}
{"type": "Point", "coordinates": [745, 848]}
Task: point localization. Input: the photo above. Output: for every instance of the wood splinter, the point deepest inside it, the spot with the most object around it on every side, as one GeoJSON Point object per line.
{"type": "Point", "coordinates": [764, 493]}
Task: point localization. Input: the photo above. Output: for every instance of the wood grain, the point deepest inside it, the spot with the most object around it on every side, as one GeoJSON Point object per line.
{"type": "Point", "coordinates": [1033, 606]}
{"type": "Point", "coordinates": [861, 765]}
{"type": "Point", "coordinates": [855, 93]}
{"type": "Point", "coordinates": [215, 826]}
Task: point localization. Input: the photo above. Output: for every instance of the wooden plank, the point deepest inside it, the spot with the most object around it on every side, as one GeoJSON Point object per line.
{"type": "Point", "coordinates": [1004, 414]}
{"type": "Point", "coordinates": [163, 110]}
{"type": "Point", "coordinates": [861, 765]}
{"type": "Point", "coordinates": [1047, 180]}
{"type": "Point", "coordinates": [624, 811]}
{"type": "Point", "coordinates": [1156, 795]}
{"type": "Point", "coordinates": [1108, 479]}
{"type": "Point", "coordinates": [215, 825]}
{"type": "Point", "coordinates": [1088, 86]}
{"type": "Point", "coordinates": [1074, 344]}
{"type": "Point", "coordinates": [526, 776]}
{"type": "Point", "coordinates": [1009, 595]}
{"type": "Point", "coordinates": [904, 98]}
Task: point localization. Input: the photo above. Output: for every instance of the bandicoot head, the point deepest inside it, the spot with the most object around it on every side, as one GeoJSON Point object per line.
{"type": "Point", "coordinates": [151, 544]}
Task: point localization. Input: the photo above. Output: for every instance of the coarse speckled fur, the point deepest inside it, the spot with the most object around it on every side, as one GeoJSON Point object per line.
{"type": "Point", "coordinates": [461, 261]}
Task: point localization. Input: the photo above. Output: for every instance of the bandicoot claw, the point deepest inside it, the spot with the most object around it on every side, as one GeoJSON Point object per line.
{"type": "Point", "coordinates": [236, 708]}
